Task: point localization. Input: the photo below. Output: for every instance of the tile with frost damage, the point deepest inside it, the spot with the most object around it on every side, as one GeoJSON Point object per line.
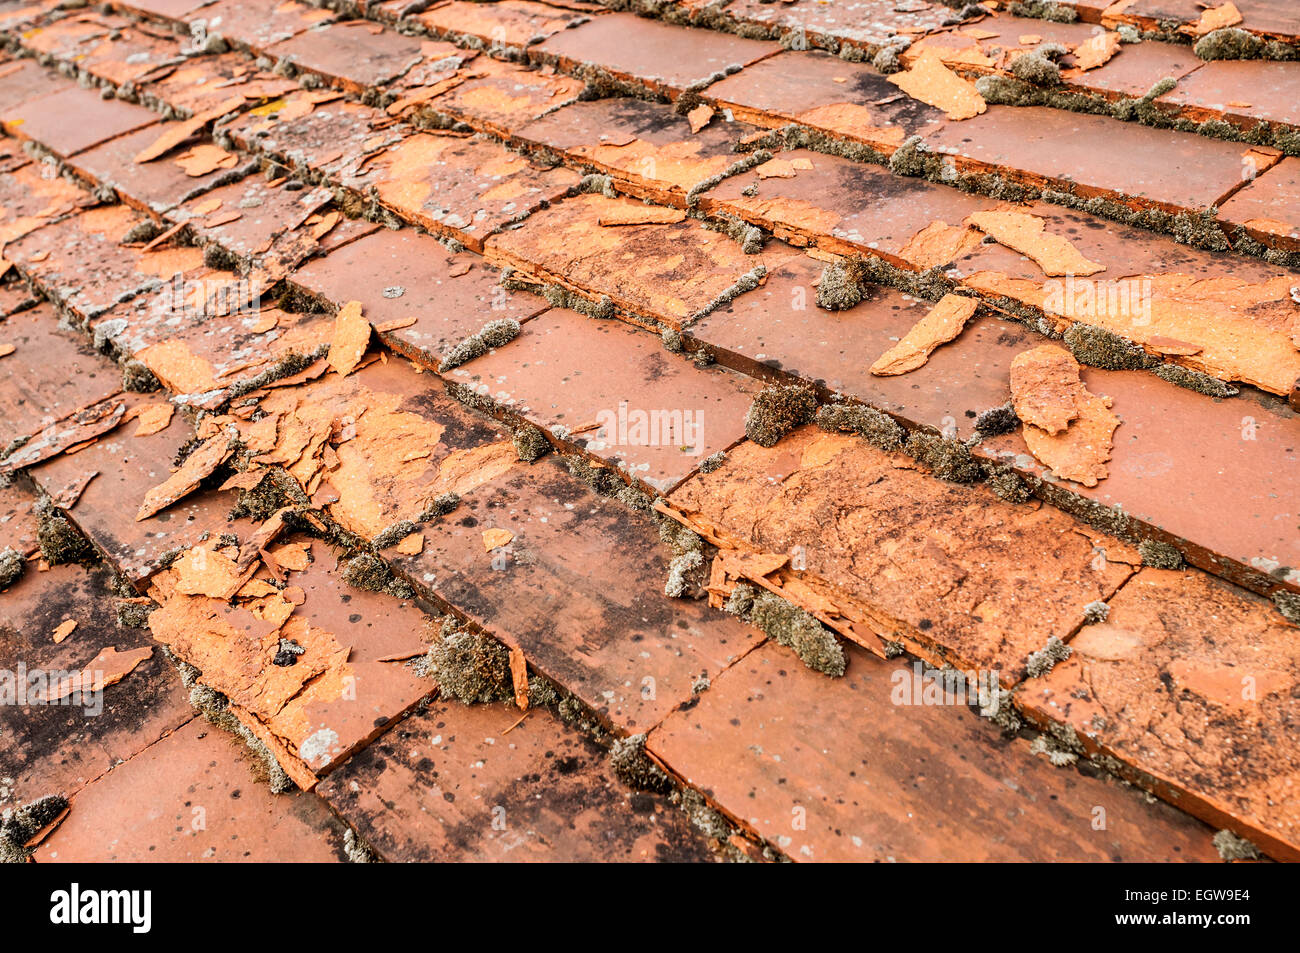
{"type": "Point", "coordinates": [507, 23]}
{"type": "Point", "coordinates": [579, 588]}
{"type": "Point", "coordinates": [356, 54]}
{"type": "Point", "coordinates": [423, 297]}
{"type": "Point", "coordinates": [1223, 494]}
{"type": "Point", "coordinates": [778, 329]}
{"type": "Point", "coordinates": [1190, 683]}
{"type": "Point", "coordinates": [939, 566]}
{"type": "Point", "coordinates": [671, 272]}
{"type": "Point", "coordinates": [463, 188]}
{"type": "Point", "coordinates": [647, 147]}
{"type": "Point", "coordinates": [825, 93]}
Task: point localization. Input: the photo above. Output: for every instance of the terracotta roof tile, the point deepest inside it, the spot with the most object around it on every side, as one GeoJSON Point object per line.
{"type": "Point", "coordinates": [658, 416]}
{"type": "Point", "coordinates": [193, 797]}
{"type": "Point", "coordinates": [518, 23]}
{"type": "Point", "coordinates": [59, 748]}
{"type": "Point", "coordinates": [73, 120]}
{"type": "Point", "coordinates": [1198, 707]}
{"type": "Point", "coordinates": [580, 590]}
{"type": "Point", "coordinates": [396, 275]}
{"type": "Point", "coordinates": [823, 92]}
{"type": "Point", "coordinates": [355, 54]}
{"type": "Point", "coordinates": [462, 188]}
{"type": "Point", "coordinates": [453, 784]}
{"type": "Point", "coordinates": [661, 57]}
{"type": "Point", "coordinates": [1268, 207]}
{"type": "Point", "coordinates": [256, 24]}
{"type": "Point", "coordinates": [945, 573]}
{"type": "Point", "coordinates": [52, 373]}
{"type": "Point", "coordinates": [661, 272]}
{"type": "Point", "coordinates": [773, 743]}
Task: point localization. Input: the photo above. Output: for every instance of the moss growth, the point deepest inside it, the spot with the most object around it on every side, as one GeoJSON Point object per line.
{"type": "Point", "coordinates": [874, 426]}
{"type": "Point", "coordinates": [12, 565]}
{"type": "Point", "coordinates": [1288, 603]}
{"type": "Point", "coordinates": [60, 541]}
{"type": "Point", "coordinates": [494, 334]}
{"type": "Point", "coordinates": [137, 378]}
{"type": "Point", "coordinates": [1095, 612]}
{"type": "Point", "coordinates": [134, 615]}
{"type": "Point", "coordinates": [1008, 485]}
{"type": "Point", "coordinates": [367, 571]}
{"type": "Point", "coordinates": [394, 534]}
{"type": "Point", "coordinates": [1229, 845]}
{"type": "Point", "coordinates": [677, 587]}
{"type": "Point", "coordinates": [607, 482]}
{"type": "Point", "coordinates": [530, 442]}
{"type": "Point", "coordinates": [21, 824]}
{"type": "Point", "coordinates": [997, 420]}
{"type": "Point", "coordinates": [949, 459]}
{"type": "Point", "coordinates": [841, 285]}
{"type": "Point", "coordinates": [357, 850]}
{"type": "Point", "coordinates": [791, 626]}
{"type": "Point", "coordinates": [1229, 43]}
{"type": "Point", "coordinates": [471, 667]}
{"type": "Point", "coordinates": [713, 461]}
{"type": "Point", "coordinates": [778, 409]}
{"type": "Point", "coordinates": [292, 363]}
{"type": "Point", "coordinates": [1034, 67]}
{"type": "Point", "coordinates": [1098, 347]}
{"type": "Point", "coordinates": [672, 340]}
{"type": "Point", "coordinates": [634, 768]}
{"type": "Point", "coordinates": [1044, 660]}
{"type": "Point", "coordinates": [439, 506]}
{"type": "Point", "coordinates": [746, 282]}
{"type": "Point", "coordinates": [1160, 555]}
{"type": "Point", "coordinates": [1058, 756]}
{"type": "Point", "coordinates": [1044, 10]}
{"type": "Point", "coordinates": [1198, 381]}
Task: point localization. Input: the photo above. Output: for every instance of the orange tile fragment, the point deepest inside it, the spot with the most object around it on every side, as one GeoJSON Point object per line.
{"type": "Point", "coordinates": [205, 158]}
{"type": "Point", "coordinates": [64, 630]}
{"type": "Point", "coordinates": [107, 668]}
{"type": "Point", "coordinates": [699, 117]}
{"type": "Point", "coordinates": [1026, 234]}
{"type": "Point", "coordinates": [1066, 427]}
{"type": "Point", "coordinates": [176, 133]}
{"type": "Point", "coordinates": [205, 459]}
{"type": "Point", "coordinates": [933, 83]}
{"type": "Point", "coordinates": [938, 244]}
{"type": "Point", "coordinates": [206, 572]}
{"type": "Point", "coordinates": [775, 169]}
{"type": "Point", "coordinates": [943, 323]}
{"type": "Point", "coordinates": [1096, 51]}
{"type": "Point", "coordinates": [6, 350]}
{"type": "Point", "coordinates": [1215, 18]}
{"type": "Point", "coordinates": [351, 338]}
{"type": "Point", "coordinates": [152, 418]}
{"type": "Point", "coordinates": [496, 538]}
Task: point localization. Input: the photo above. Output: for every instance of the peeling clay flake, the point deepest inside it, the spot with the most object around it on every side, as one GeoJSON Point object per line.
{"type": "Point", "coordinates": [699, 117]}
{"type": "Point", "coordinates": [351, 338]}
{"type": "Point", "coordinates": [496, 538]}
{"type": "Point", "coordinates": [1096, 51]}
{"type": "Point", "coordinates": [944, 322]}
{"type": "Point", "coordinates": [152, 418]}
{"type": "Point", "coordinates": [64, 630]}
{"type": "Point", "coordinates": [934, 84]}
{"type": "Point", "coordinates": [1066, 427]}
{"type": "Point", "coordinates": [1215, 18]}
{"type": "Point", "coordinates": [641, 215]}
{"type": "Point", "coordinates": [1026, 234]}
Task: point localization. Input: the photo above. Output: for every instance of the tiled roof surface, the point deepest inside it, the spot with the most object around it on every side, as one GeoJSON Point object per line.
{"type": "Point", "coordinates": [678, 431]}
